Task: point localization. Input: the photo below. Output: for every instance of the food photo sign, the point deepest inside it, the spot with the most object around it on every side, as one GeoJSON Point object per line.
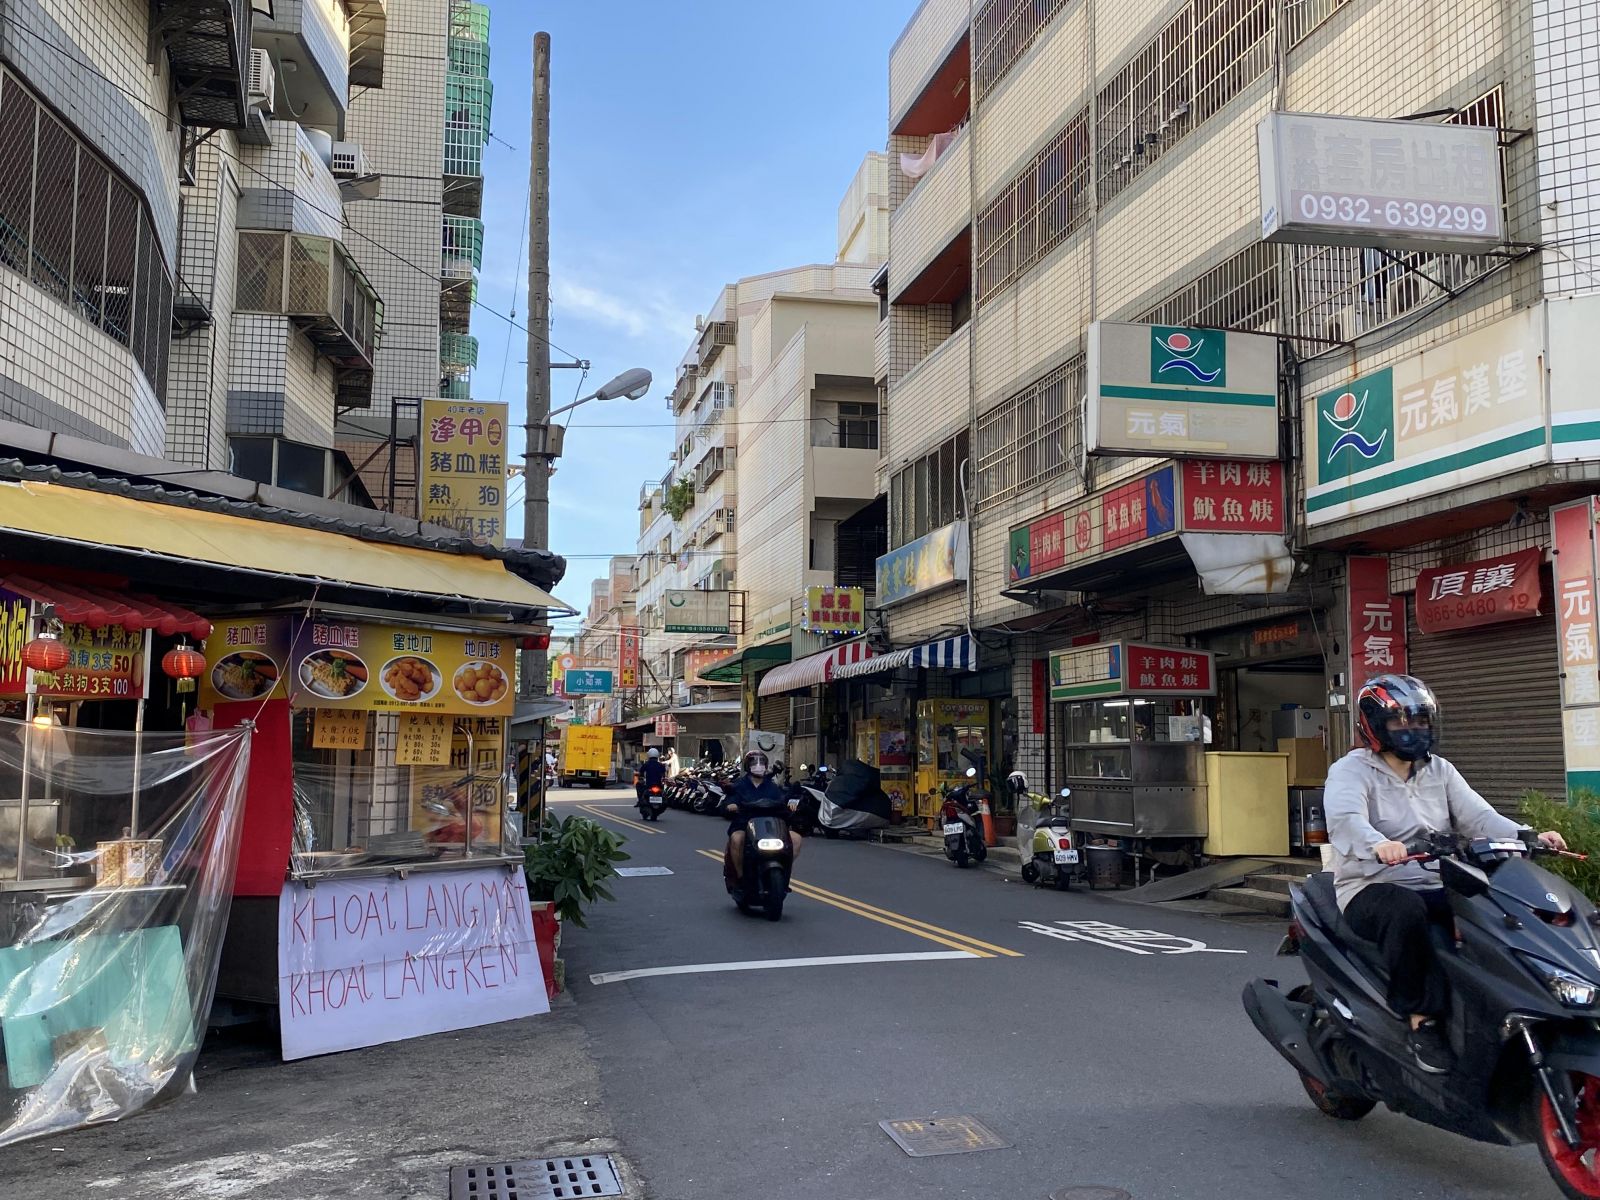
{"type": "Point", "coordinates": [330, 664]}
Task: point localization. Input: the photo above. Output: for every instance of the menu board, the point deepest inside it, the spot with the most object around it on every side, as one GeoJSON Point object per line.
{"type": "Point", "coordinates": [424, 740]}
{"type": "Point", "coordinates": [105, 663]}
{"type": "Point", "coordinates": [471, 775]}
{"type": "Point", "coordinates": [325, 663]}
{"type": "Point", "coordinates": [336, 729]}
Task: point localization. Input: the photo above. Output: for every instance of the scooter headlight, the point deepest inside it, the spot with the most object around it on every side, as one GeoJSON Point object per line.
{"type": "Point", "coordinates": [769, 844]}
{"type": "Point", "coordinates": [1573, 991]}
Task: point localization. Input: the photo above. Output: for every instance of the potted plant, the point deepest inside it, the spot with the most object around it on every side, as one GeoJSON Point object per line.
{"type": "Point", "coordinates": [567, 867]}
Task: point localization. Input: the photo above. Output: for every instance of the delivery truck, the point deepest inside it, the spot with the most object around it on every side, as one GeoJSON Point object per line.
{"type": "Point", "coordinates": [585, 755]}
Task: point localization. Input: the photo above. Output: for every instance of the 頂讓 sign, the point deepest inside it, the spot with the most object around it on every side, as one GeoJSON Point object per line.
{"type": "Point", "coordinates": [367, 961]}
{"type": "Point", "coordinates": [1487, 592]}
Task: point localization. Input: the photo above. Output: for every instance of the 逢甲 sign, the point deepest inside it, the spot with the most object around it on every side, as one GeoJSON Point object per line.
{"type": "Point", "coordinates": [1401, 185]}
{"type": "Point", "coordinates": [463, 456]}
{"type": "Point", "coordinates": [1156, 389]}
{"type": "Point", "coordinates": [1468, 409]}
{"type": "Point", "coordinates": [694, 611]}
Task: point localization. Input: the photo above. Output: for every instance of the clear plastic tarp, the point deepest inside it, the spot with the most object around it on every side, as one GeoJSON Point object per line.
{"type": "Point", "coordinates": [113, 906]}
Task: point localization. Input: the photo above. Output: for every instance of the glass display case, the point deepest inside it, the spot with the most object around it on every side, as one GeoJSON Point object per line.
{"type": "Point", "coordinates": [1136, 766]}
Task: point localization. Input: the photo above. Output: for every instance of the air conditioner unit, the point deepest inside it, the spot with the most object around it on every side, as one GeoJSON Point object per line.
{"type": "Point", "coordinates": [348, 161]}
{"type": "Point", "coordinates": [263, 80]}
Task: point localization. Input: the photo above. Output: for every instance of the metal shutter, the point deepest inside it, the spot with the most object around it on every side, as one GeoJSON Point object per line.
{"type": "Point", "coordinates": [1499, 690]}
{"type": "Point", "coordinates": [772, 713]}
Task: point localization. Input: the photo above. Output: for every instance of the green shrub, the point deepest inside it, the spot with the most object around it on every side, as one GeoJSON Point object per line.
{"type": "Point", "coordinates": [570, 864]}
{"type": "Point", "coordinates": [1577, 820]}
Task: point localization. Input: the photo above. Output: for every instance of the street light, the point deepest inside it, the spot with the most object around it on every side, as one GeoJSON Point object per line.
{"type": "Point", "coordinates": [630, 385]}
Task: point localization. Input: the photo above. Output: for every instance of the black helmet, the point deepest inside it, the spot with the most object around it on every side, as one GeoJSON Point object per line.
{"type": "Point", "coordinates": [754, 757]}
{"type": "Point", "coordinates": [1386, 697]}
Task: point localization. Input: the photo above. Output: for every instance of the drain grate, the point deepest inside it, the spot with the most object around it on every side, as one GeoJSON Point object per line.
{"type": "Point", "coordinates": [943, 1135]}
{"type": "Point", "coordinates": [1090, 1191]}
{"type": "Point", "coordinates": [537, 1179]}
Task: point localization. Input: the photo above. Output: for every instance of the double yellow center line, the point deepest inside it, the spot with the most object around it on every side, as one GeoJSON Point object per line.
{"type": "Point", "coordinates": [606, 816]}
{"type": "Point", "coordinates": [932, 933]}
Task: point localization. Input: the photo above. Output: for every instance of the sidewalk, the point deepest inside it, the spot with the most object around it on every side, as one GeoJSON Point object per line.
{"type": "Point", "coordinates": [385, 1123]}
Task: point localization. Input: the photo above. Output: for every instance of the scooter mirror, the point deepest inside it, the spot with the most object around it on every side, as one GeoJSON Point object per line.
{"type": "Point", "coordinates": [972, 772]}
{"type": "Point", "coordinates": [1065, 792]}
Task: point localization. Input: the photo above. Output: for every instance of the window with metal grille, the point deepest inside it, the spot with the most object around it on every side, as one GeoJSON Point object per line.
{"type": "Point", "coordinates": [1300, 17]}
{"type": "Point", "coordinates": [1343, 292]}
{"type": "Point", "coordinates": [1002, 31]}
{"type": "Point", "coordinates": [1034, 435]}
{"type": "Point", "coordinates": [926, 494]}
{"type": "Point", "coordinates": [1036, 211]}
{"type": "Point", "coordinates": [805, 714]}
{"type": "Point", "coordinates": [858, 426]}
{"type": "Point", "coordinates": [1239, 293]}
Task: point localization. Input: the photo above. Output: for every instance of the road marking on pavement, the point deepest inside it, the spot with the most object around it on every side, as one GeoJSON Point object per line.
{"type": "Point", "coordinates": [932, 933]}
{"type": "Point", "coordinates": [776, 964]}
{"type": "Point", "coordinates": [1134, 941]}
{"type": "Point", "coordinates": [605, 816]}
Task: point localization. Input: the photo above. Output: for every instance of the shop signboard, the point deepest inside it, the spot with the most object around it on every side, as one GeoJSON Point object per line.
{"type": "Point", "coordinates": [1394, 184]}
{"type": "Point", "coordinates": [1232, 497]}
{"type": "Point", "coordinates": [589, 681]}
{"type": "Point", "coordinates": [1469, 409]}
{"type": "Point", "coordinates": [1131, 669]}
{"type": "Point", "coordinates": [628, 656]}
{"type": "Point", "coordinates": [336, 664]}
{"type": "Point", "coordinates": [1377, 621]}
{"type": "Point", "coordinates": [423, 740]}
{"type": "Point", "coordinates": [693, 610]}
{"type": "Point", "coordinates": [372, 960]}
{"type": "Point", "coordinates": [697, 662]}
{"type": "Point", "coordinates": [1487, 592]}
{"type": "Point", "coordinates": [1178, 393]}
{"type": "Point", "coordinates": [932, 561]}
{"type": "Point", "coordinates": [339, 729]}
{"type": "Point", "coordinates": [835, 610]}
{"type": "Point", "coordinates": [463, 455]}
{"type": "Point", "coordinates": [666, 725]}
{"type": "Point", "coordinates": [1572, 528]}
{"type": "Point", "coordinates": [105, 663]}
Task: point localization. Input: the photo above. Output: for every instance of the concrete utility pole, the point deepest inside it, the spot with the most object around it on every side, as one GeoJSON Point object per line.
{"type": "Point", "coordinates": [536, 489]}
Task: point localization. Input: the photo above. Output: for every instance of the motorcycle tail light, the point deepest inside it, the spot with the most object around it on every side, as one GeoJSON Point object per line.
{"type": "Point", "coordinates": [1066, 843]}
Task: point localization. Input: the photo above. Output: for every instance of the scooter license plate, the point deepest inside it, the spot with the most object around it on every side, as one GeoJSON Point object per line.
{"type": "Point", "coordinates": [1066, 856]}
{"type": "Point", "coordinates": [952, 828]}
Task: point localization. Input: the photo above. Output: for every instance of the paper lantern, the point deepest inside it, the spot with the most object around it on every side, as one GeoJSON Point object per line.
{"type": "Point", "coordinates": [45, 653]}
{"type": "Point", "coordinates": [185, 664]}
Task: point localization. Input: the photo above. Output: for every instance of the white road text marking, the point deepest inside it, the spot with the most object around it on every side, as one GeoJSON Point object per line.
{"type": "Point", "coordinates": [1134, 941]}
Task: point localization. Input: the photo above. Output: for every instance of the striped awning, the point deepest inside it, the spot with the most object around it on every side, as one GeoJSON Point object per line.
{"type": "Point", "coordinates": [957, 653]}
{"type": "Point", "coordinates": [813, 669]}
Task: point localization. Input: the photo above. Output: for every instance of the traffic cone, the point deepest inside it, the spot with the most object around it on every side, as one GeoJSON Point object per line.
{"type": "Point", "coordinates": [989, 838]}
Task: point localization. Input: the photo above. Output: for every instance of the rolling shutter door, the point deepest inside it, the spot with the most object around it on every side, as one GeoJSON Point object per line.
{"type": "Point", "coordinates": [1499, 690]}
{"type": "Point", "coordinates": [772, 713]}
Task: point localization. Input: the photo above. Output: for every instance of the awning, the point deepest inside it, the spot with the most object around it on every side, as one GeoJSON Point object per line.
{"type": "Point", "coordinates": [708, 708]}
{"type": "Point", "coordinates": [732, 671]}
{"type": "Point", "coordinates": [94, 519]}
{"type": "Point", "coordinates": [812, 669]}
{"type": "Point", "coordinates": [958, 653]}
{"type": "Point", "coordinates": [78, 604]}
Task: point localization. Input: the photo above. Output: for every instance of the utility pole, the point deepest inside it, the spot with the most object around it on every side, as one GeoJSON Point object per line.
{"type": "Point", "coordinates": [536, 483]}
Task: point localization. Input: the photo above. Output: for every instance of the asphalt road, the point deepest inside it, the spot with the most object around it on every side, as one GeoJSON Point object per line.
{"type": "Point", "coordinates": [1128, 1065]}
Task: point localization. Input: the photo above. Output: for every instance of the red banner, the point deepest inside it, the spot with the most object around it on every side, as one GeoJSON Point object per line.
{"type": "Point", "coordinates": [1575, 615]}
{"type": "Point", "coordinates": [1041, 693]}
{"type": "Point", "coordinates": [1157, 670]}
{"type": "Point", "coordinates": [1123, 516]}
{"type": "Point", "coordinates": [1479, 593]}
{"type": "Point", "coordinates": [1232, 497]}
{"type": "Point", "coordinates": [1377, 622]}
{"type": "Point", "coordinates": [1047, 543]}
{"type": "Point", "coordinates": [628, 656]}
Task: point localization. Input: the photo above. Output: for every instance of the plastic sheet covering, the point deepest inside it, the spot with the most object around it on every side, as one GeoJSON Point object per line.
{"type": "Point", "coordinates": [109, 941]}
{"type": "Point", "coordinates": [856, 799]}
{"type": "Point", "coordinates": [917, 165]}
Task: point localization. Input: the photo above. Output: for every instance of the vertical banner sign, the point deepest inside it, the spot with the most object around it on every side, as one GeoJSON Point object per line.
{"type": "Point", "coordinates": [1041, 693]}
{"type": "Point", "coordinates": [628, 656]}
{"type": "Point", "coordinates": [464, 467]}
{"type": "Point", "coordinates": [1572, 528]}
{"type": "Point", "coordinates": [1377, 622]}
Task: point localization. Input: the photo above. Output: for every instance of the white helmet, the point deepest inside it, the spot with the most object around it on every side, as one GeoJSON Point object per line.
{"type": "Point", "coordinates": [1017, 782]}
{"type": "Point", "coordinates": [654, 753]}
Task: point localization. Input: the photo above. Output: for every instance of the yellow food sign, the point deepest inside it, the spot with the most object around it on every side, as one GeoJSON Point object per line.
{"type": "Point", "coordinates": [464, 467]}
{"type": "Point", "coordinates": [338, 729]}
{"type": "Point", "coordinates": [424, 740]}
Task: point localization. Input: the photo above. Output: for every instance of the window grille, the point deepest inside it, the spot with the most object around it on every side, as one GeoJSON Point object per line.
{"type": "Point", "coordinates": [1001, 33]}
{"type": "Point", "coordinates": [1036, 211]}
{"type": "Point", "coordinates": [926, 495]}
{"type": "Point", "coordinates": [1033, 435]}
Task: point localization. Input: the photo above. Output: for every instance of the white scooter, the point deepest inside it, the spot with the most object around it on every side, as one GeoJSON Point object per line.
{"type": "Point", "coordinates": [1055, 854]}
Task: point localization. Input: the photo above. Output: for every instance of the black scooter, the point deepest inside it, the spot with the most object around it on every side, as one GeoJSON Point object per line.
{"type": "Point", "coordinates": [963, 832]}
{"type": "Point", "coordinates": [1524, 971]}
{"type": "Point", "coordinates": [768, 860]}
{"type": "Point", "coordinates": [652, 800]}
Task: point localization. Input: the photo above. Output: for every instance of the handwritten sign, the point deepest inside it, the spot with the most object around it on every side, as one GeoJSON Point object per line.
{"type": "Point", "coordinates": [367, 961]}
{"type": "Point", "coordinates": [336, 729]}
{"type": "Point", "coordinates": [424, 740]}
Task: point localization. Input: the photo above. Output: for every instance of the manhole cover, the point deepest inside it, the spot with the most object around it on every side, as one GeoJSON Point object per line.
{"type": "Point", "coordinates": [631, 872]}
{"type": "Point", "coordinates": [536, 1179]}
{"type": "Point", "coordinates": [1090, 1191]}
{"type": "Point", "coordinates": [943, 1135]}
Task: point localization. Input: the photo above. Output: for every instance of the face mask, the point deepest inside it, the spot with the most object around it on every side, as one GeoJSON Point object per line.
{"type": "Point", "coordinates": [1411, 744]}
{"type": "Point", "coordinates": [757, 770]}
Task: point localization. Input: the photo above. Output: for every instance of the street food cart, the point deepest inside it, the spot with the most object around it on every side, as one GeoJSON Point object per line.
{"type": "Point", "coordinates": [952, 735]}
{"type": "Point", "coordinates": [1133, 723]}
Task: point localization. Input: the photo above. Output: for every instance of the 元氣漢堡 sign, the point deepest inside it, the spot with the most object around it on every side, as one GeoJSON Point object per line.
{"type": "Point", "coordinates": [1479, 593]}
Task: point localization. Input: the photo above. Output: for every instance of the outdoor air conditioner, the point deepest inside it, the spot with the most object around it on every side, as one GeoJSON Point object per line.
{"type": "Point", "coordinates": [263, 80]}
{"type": "Point", "coordinates": [348, 161]}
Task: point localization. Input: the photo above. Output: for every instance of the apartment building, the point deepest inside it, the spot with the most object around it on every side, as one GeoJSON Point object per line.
{"type": "Point", "coordinates": [1052, 165]}
{"type": "Point", "coordinates": [599, 641]}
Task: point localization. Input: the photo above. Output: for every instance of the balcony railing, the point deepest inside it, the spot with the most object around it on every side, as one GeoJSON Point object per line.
{"type": "Point", "coordinates": [458, 353]}
{"type": "Point", "coordinates": [369, 22]}
{"type": "Point", "coordinates": [208, 48]}
{"type": "Point", "coordinates": [684, 391]}
{"type": "Point", "coordinates": [713, 338]}
{"type": "Point", "coordinates": [315, 283]}
{"type": "Point", "coordinates": [461, 247]}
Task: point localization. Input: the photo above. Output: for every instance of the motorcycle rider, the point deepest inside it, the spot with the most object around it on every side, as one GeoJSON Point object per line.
{"type": "Point", "coordinates": [1391, 789]}
{"type": "Point", "coordinates": [652, 774]}
{"type": "Point", "coordinates": [753, 791]}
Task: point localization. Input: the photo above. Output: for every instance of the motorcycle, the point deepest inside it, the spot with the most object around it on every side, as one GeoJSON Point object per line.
{"type": "Point", "coordinates": [652, 801]}
{"type": "Point", "coordinates": [1524, 972]}
{"type": "Point", "coordinates": [1055, 856]}
{"type": "Point", "coordinates": [963, 830]}
{"type": "Point", "coordinates": [806, 796]}
{"type": "Point", "coordinates": [768, 860]}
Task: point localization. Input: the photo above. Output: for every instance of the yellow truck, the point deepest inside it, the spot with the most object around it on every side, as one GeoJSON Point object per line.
{"type": "Point", "coordinates": [585, 755]}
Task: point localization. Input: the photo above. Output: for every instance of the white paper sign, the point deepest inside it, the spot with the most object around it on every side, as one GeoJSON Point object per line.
{"type": "Point", "coordinates": [367, 961]}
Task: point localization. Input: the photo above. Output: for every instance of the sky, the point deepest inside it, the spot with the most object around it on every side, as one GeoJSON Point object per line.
{"type": "Point", "coordinates": [691, 144]}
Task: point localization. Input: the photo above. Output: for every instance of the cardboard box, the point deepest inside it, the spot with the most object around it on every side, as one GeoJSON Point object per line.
{"type": "Point", "coordinates": [1308, 761]}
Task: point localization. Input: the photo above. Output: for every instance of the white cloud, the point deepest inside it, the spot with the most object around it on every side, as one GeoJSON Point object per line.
{"type": "Point", "coordinates": [642, 315]}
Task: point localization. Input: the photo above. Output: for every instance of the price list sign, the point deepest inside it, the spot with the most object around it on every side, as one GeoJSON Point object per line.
{"type": "Point", "coordinates": [424, 740]}
{"type": "Point", "coordinates": [339, 729]}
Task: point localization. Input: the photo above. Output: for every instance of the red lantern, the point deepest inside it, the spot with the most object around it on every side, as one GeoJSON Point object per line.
{"type": "Point", "coordinates": [185, 664]}
{"type": "Point", "coordinates": [537, 641]}
{"type": "Point", "coordinates": [45, 653]}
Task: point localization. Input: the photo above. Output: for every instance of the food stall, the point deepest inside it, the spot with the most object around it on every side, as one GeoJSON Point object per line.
{"type": "Point", "coordinates": [952, 735]}
{"type": "Point", "coordinates": [1133, 721]}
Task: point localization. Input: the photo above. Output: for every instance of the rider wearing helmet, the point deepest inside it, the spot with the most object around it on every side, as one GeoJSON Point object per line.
{"type": "Point", "coordinates": [653, 773]}
{"type": "Point", "coordinates": [753, 792]}
{"type": "Point", "coordinates": [1389, 790]}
